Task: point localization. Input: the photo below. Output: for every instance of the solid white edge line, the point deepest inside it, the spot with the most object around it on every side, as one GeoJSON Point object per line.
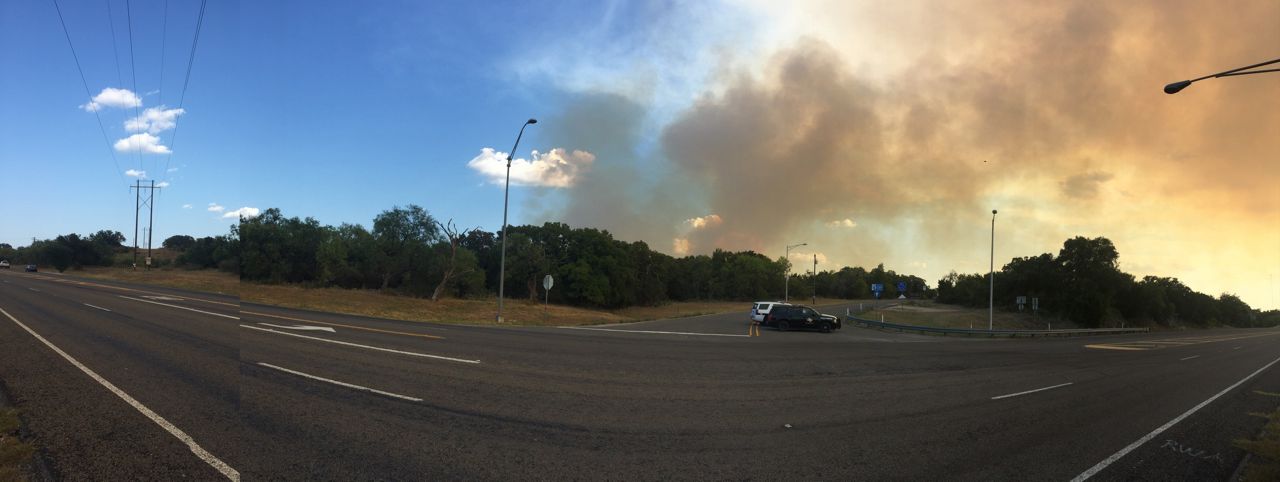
{"type": "Point", "coordinates": [343, 384]}
{"type": "Point", "coordinates": [1032, 391]}
{"type": "Point", "coordinates": [1190, 357]}
{"type": "Point", "coordinates": [424, 355]}
{"type": "Point", "coordinates": [651, 332]}
{"type": "Point", "coordinates": [196, 449]}
{"type": "Point", "coordinates": [98, 307]}
{"type": "Point", "coordinates": [179, 307]}
{"type": "Point", "coordinates": [1125, 451]}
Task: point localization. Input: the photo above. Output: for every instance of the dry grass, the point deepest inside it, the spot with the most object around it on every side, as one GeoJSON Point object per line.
{"type": "Point", "coordinates": [1265, 466]}
{"type": "Point", "coordinates": [928, 313]}
{"type": "Point", "coordinates": [15, 456]}
{"type": "Point", "coordinates": [209, 281]}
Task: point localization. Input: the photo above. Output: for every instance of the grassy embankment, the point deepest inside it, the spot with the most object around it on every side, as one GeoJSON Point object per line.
{"type": "Point", "coordinates": [15, 455]}
{"type": "Point", "coordinates": [929, 313]}
{"type": "Point", "coordinates": [1265, 463]}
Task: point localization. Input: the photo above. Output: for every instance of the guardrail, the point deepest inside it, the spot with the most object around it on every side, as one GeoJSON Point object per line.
{"type": "Point", "coordinates": [1009, 333]}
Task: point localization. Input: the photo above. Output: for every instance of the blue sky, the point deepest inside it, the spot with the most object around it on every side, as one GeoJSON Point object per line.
{"type": "Point", "coordinates": [873, 131]}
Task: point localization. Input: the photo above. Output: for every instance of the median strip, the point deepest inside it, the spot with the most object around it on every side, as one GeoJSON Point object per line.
{"type": "Point", "coordinates": [1154, 433]}
{"type": "Point", "coordinates": [649, 332]}
{"type": "Point", "coordinates": [195, 448]}
{"type": "Point", "coordinates": [1031, 391]}
{"type": "Point", "coordinates": [341, 384]}
{"type": "Point", "coordinates": [389, 350]}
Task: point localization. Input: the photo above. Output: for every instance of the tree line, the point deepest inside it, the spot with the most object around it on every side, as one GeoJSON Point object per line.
{"type": "Point", "coordinates": [410, 251]}
{"type": "Point", "coordinates": [1084, 284]}
{"type": "Point", "coordinates": [106, 248]}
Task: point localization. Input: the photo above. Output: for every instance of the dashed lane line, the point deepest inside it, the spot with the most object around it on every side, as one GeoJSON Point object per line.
{"type": "Point", "coordinates": [367, 347]}
{"type": "Point", "coordinates": [179, 307]}
{"type": "Point", "coordinates": [98, 307]}
{"type": "Point", "coordinates": [341, 384]}
{"type": "Point", "coordinates": [1189, 358]}
{"type": "Point", "coordinates": [195, 448]}
{"type": "Point", "coordinates": [1154, 433]}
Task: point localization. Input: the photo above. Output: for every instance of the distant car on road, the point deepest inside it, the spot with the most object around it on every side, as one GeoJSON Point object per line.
{"type": "Point", "coordinates": [31, 268]}
{"type": "Point", "coordinates": [4, 263]}
{"type": "Point", "coordinates": [800, 317]}
{"type": "Point", "coordinates": [760, 309]}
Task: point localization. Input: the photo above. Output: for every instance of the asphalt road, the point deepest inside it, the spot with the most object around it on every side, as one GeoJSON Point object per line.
{"type": "Point", "coordinates": [207, 388]}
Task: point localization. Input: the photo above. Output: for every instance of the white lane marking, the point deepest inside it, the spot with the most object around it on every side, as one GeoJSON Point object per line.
{"type": "Point", "coordinates": [300, 327]}
{"type": "Point", "coordinates": [1236, 348]}
{"type": "Point", "coordinates": [98, 307]}
{"type": "Point", "coordinates": [1125, 451]}
{"type": "Point", "coordinates": [1031, 391]}
{"type": "Point", "coordinates": [424, 355]}
{"type": "Point", "coordinates": [204, 455]}
{"type": "Point", "coordinates": [1190, 357]}
{"type": "Point", "coordinates": [342, 384]}
{"type": "Point", "coordinates": [179, 307]}
{"type": "Point", "coordinates": [650, 332]}
{"type": "Point", "coordinates": [33, 289]}
{"type": "Point", "coordinates": [162, 298]}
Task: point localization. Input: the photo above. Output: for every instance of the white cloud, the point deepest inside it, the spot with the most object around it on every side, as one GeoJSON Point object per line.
{"type": "Point", "coordinates": [163, 184]}
{"type": "Point", "coordinates": [112, 97]}
{"type": "Point", "coordinates": [136, 173]}
{"type": "Point", "coordinates": [186, 206]}
{"type": "Point", "coordinates": [680, 246]}
{"type": "Point", "coordinates": [244, 212]}
{"type": "Point", "coordinates": [843, 223]}
{"type": "Point", "coordinates": [708, 221]}
{"type": "Point", "coordinates": [143, 142]}
{"type": "Point", "coordinates": [154, 120]}
{"type": "Point", "coordinates": [806, 259]}
{"type": "Point", "coordinates": [171, 169]}
{"type": "Point", "coordinates": [214, 207]}
{"type": "Point", "coordinates": [557, 168]}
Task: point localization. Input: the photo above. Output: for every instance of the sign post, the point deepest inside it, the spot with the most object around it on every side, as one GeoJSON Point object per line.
{"type": "Point", "coordinates": [546, 285]}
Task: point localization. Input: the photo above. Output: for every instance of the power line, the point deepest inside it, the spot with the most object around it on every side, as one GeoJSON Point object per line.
{"type": "Point", "coordinates": [164, 35]}
{"type": "Point", "coordinates": [87, 92]}
{"type": "Point", "coordinates": [115, 51]}
{"type": "Point", "coordinates": [187, 80]}
{"type": "Point", "coordinates": [133, 72]}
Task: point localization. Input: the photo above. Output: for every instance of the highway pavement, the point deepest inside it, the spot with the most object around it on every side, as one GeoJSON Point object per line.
{"type": "Point", "coordinates": [120, 381]}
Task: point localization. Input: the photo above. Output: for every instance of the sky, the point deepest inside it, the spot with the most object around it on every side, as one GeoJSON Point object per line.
{"type": "Point", "coordinates": [875, 132]}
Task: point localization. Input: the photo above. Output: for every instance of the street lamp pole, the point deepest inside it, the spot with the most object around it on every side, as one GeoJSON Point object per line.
{"type": "Point", "coordinates": [991, 300]}
{"type": "Point", "coordinates": [786, 275]}
{"type": "Point", "coordinates": [1178, 86]}
{"type": "Point", "coordinates": [506, 193]}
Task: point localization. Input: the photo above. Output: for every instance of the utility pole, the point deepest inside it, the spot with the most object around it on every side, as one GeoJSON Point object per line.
{"type": "Point", "coordinates": [815, 278]}
{"type": "Point", "coordinates": [991, 300]}
{"type": "Point", "coordinates": [151, 217]}
{"type": "Point", "coordinates": [786, 274]}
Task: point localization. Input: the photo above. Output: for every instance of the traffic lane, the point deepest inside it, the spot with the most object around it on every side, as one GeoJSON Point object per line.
{"type": "Point", "coordinates": [87, 432]}
{"type": "Point", "coordinates": [734, 323]}
{"type": "Point", "coordinates": [188, 379]}
{"type": "Point", "coordinates": [43, 283]}
{"type": "Point", "coordinates": [203, 327]}
{"type": "Point", "coordinates": [125, 287]}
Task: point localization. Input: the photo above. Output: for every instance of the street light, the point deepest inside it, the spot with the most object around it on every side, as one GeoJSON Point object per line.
{"type": "Point", "coordinates": [786, 276]}
{"type": "Point", "coordinates": [991, 301]}
{"type": "Point", "coordinates": [506, 192]}
{"type": "Point", "coordinates": [1178, 86]}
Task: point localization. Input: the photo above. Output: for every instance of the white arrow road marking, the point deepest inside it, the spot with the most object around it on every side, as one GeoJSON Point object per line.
{"type": "Point", "coordinates": [341, 384]}
{"type": "Point", "coordinates": [300, 327]}
{"type": "Point", "coordinates": [195, 448]}
{"type": "Point", "coordinates": [179, 307]}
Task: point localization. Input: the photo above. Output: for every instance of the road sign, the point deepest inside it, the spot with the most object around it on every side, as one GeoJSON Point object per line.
{"type": "Point", "coordinates": [148, 261]}
{"type": "Point", "coordinates": [547, 282]}
{"type": "Point", "coordinates": [1022, 301]}
{"type": "Point", "coordinates": [877, 287]}
{"type": "Point", "coordinates": [1035, 304]}
{"type": "Point", "coordinates": [902, 287]}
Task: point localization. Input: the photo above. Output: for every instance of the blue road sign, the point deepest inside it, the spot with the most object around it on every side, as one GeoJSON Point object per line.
{"type": "Point", "coordinates": [902, 287]}
{"type": "Point", "coordinates": [877, 287]}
